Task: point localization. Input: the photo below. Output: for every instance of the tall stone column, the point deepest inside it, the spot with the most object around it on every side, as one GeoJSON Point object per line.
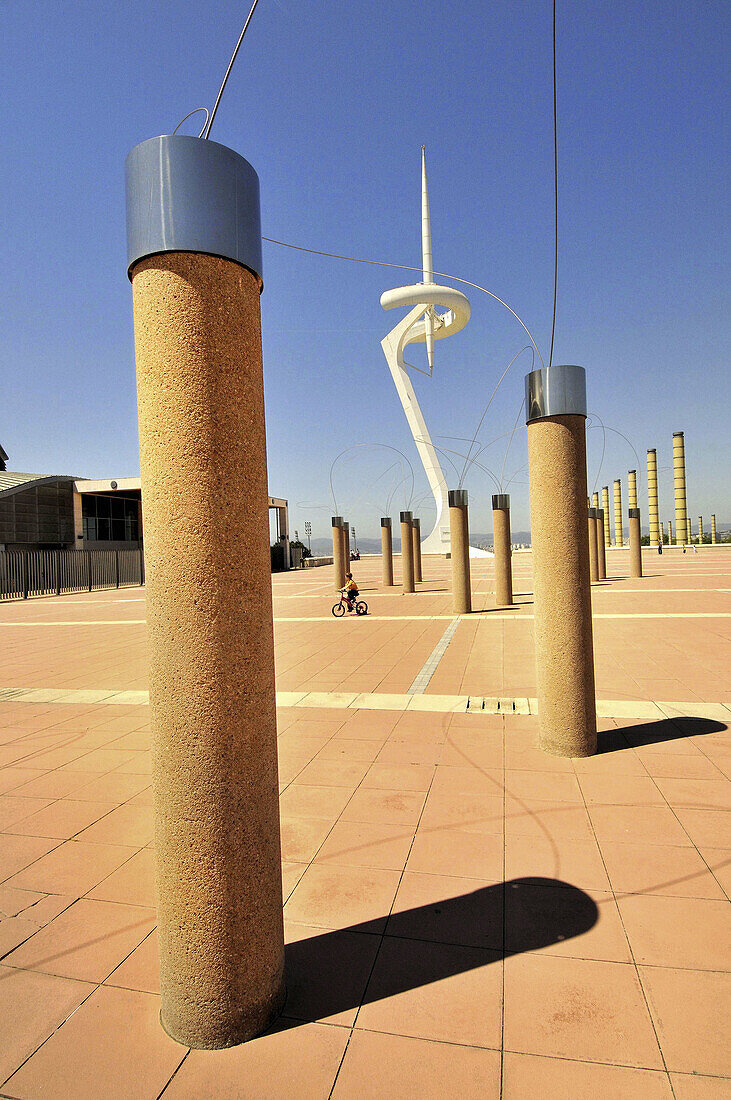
{"type": "Point", "coordinates": [632, 488]}
{"type": "Point", "coordinates": [652, 501]}
{"type": "Point", "coordinates": [407, 553]}
{"type": "Point", "coordinates": [503, 550]}
{"type": "Point", "coordinates": [338, 551]}
{"type": "Point", "coordinates": [346, 551]}
{"type": "Point", "coordinates": [635, 543]}
{"type": "Point", "coordinates": [601, 548]}
{"type": "Point", "coordinates": [556, 418]}
{"type": "Point", "coordinates": [681, 510]}
{"type": "Point", "coordinates": [459, 533]}
{"type": "Point", "coordinates": [713, 529]}
{"type": "Point", "coordinates": [605, 509]}
{"type": "Point", "coordinates": [670, 532]}
{"type": "Point", "coordinates": [416, 546]}
{"type": "Point", "coordinates": [593, 546]}
{"type": "Point", "coordinates": [195, 267]}
{"type": "Point", "coordinates": [689, 537]}
{"type": "Point", "coordinates": [618, 535]}
{"type": "Point", "coordinates": [386, 552]}
{"type": "Point", "coordinates": [700, 530]}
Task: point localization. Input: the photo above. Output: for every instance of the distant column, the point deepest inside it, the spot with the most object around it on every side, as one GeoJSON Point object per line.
{"type": "Point", "coordinates": [386, 552]}
{"type": "Point", "coordinates": [594, 500]}
{"type": "Point", "coordinates": [700, 530]}
{"type": "Point", "coordinates": [601, 548]}
{"type": "Point", "coordinates": [460, 550]}
{"type": "Point", "coordinates": [713, 529]}
{"type": "Point", "coordinates": [195, 267]}
{"type": "Point", "coordinates": [690, 532]}
{"type": "Point", "coordinates": [652, 502]}
{"type": "Point", "coordinates": [681, 510]}
{"type": "Point", "coordinates": [407, 553]}
{"type": "Point", "coordinates": [670, 532]}
{"type": "Point", "coordinates": [605, 509]}
{"type": "Point", "coordinates": [346, 535]}
{"type": "Point", "coordinates": [618, 536]}
{"type": "Point", "coordinates": [503, 550]}
{"type": "Point", "coordinates": [416, 546]}
{"type": "Point", "coordinates": [632, 488]}
{"type": "Point", "coordinates": [635, 543]}
{"type": "Point", "coordinates": [556, 418]}
{"type": "Point", "coordinates": [338, 551]}
{"type": "Point", "coordinates": [661, 534]}
{"type": "Point", "coordinates": [593, 547]}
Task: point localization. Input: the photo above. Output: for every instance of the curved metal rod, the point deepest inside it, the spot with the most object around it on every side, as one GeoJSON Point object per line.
{"type": "Point", "coordinates": [206, 132]}
{"type": "Point", "coordinates": [515, 426]}
{"type": "Point", "coordinates": [408, 267]}
{"type": "Point", "coordinates": [519, 470]}
{"type": "Point", "coordinates": [354, 447]}
{"type": "Point", "coordinates": [193, 112]}
{"type": "Point", "coordinates": [608, 428]}
{"type": "Point", "coordinates": [487, 406]}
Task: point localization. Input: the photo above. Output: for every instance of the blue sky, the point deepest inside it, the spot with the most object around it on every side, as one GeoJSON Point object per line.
{"type": "Point", "coordinates": [331, 103]}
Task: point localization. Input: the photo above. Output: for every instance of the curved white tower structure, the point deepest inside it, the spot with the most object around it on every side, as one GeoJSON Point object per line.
{"type": "Point", "coordinates": [424, 324]}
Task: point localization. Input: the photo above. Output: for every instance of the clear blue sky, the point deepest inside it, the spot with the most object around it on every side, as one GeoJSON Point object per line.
{"type": "Point", "coordinates": [331, 103]}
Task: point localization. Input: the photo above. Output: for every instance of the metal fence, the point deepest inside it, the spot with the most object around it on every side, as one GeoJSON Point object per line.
{"type": "Point", "coordinates": [56, 572]}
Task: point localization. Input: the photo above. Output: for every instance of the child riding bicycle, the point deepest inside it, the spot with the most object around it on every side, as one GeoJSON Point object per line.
{"type": "Point", "coordinates": [350, 591]}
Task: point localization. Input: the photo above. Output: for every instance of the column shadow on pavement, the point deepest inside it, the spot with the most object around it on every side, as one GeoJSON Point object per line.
{"type": "Point", "coordinates": [655, 733]}
{"type": "Point", "coordinates": [335, 972]}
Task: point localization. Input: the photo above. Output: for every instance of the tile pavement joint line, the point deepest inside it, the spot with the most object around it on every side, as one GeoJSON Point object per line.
{"type": "Point", "coordinates": [429, 667]}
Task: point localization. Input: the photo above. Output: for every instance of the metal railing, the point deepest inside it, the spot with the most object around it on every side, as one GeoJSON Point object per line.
{"type": "Point", "coordinates": [57, 572]}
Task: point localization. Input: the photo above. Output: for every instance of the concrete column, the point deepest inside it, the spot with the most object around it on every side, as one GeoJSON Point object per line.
{"type": "Point", "coordinates": [339, 551]}
{"type": "Point", "coordinates": [593, 546]}
{"type": "Point", "coordinates": [459, 533]}
{"type": "Point", "coordinates": [690, 532]}
{"type": "Point", "coordinates": [700, 530]}
{"type": "Point", "coordinates": [556, 417]}
{"type": "Point", "coordinates": [503, 550]}
{"type": "Point", "coordinates": [407, 553]}
{"type": "Point", "coordinates": [601, 548]}
{"type": "Point", "coordinates": [632, 488]}
{"type": "Point", "coordinates": [713, 529]}
{"type": "Point", "coordinates": [346, 537]}
{"type": "Point", "coordinates": [652, 502]}
{"type": "Point", "coordinates": [670, 532]}
{"type": "Point", "coordinates": [605, 509]}
{"type": "Point", "coordinates": [681, 509]}
{"type": "Point", "coordinates": [196, 285]}
{"type": "Point", "coordinates": [661, 534]}
{"type": "Point", "coordinates": [386, 552]}
{"type": "Point", "coordinates": [618, 536]}
{"type": "Point", "coordinates": [416, 546]}
{"type": "Point", "coordinates": [635, 543]}
{"type": "Point", "coordinates": [594, 503]}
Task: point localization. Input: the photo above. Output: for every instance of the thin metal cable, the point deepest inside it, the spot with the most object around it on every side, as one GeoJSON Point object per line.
{"type": "Point", "coordinates": [193, 112]}
{"type": "Point", "coordinates": [206, 133]}
{"type": "Point", "coordinates": [408, 267]}
{"type": "Point", "coordinates": [555, 192]}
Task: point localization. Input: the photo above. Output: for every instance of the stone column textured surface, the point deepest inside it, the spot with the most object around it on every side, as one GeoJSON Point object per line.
{"type": "Point", "coordinates": [560, 538]}
{"type": "Point", "coordinates": [209, 606]}
{"type": "Point", "coordinates": [593, 547]}
{"type": "Point", "coordinates": [407, 553]}
{"type": "Point", "coordinates": [386, 552]}
{"type": "Point", "coordinates": [459, 533]}
{"type": "Point", "coordinates": [618, 535]}
{"type": "Point", "coordinates": [632, 488]}
{"type": "Point", "coordinates": [713, 529]}
{"type": "Point", "coordinates": [346, 544]}
{"type": "Point", "coordinates": [338, 551]}
{"type": "Point", "coordinates": [416, 546]}
{"type": "Point", "coordinates": [601, 548]}
{"type": "Point", "coordinates": [662, 534]}
{"type": "Point", "coordinates": [607, 522]}
{"type": "Point", "coordinates": [689, 530]}
{"type": "Point", "coordinates": [635, 543]}
{"type": "Point", "coordinates": [681, 509]}
{"type": "Point", "coordinates": [652, 501]}
{"type": "Point", "coordinates": [503, 550]}
{"type": "Point", "coordinates": [670, 532]}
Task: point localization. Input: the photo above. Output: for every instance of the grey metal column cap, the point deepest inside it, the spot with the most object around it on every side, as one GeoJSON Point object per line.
{"type": "Point", "coordinates": [457, 498]}
{"type": "Point", "coordinates": [592, 513]}
{"type": "Point", "coordinates": [416, 521]}
{"type": "Point", "coordinates": [337, 521]}
{"type": "Point", "coordinates": [599, 513]}
{"type": "Point", "coordinates": [406, 517]}
{"type": "Point", "coordinates": [651, 450]}
{"type": "Point", "coordinates": [500, 502]}
{"type": "Point", "coordinates": [385, 521]}
{"type": "Point", "coordinates": [187, 194]}
{"type": "Point", "coordinates": [634, 513]}
{"type": "Point", "coordinates": [555, 391]}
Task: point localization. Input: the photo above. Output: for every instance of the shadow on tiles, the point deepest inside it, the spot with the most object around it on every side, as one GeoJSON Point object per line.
{"type": "Point", "coordinates": [655, 733]}
{"type": "Point", "coordinates": [335, 972]}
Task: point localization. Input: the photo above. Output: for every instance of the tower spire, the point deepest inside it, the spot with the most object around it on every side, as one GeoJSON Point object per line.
{"type": "Point", "coordinates": [426, 259]}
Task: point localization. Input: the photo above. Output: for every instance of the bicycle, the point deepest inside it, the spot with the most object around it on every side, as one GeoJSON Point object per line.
{"type": "Point", "coordinates": [361, 607]}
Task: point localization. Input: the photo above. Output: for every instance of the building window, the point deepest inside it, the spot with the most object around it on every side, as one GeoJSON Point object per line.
{"type": "Point", "coordinates": [109, 519]}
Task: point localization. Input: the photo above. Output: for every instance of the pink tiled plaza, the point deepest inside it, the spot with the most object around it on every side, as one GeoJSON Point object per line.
{"type": "Point", "coordinates": [465, 915]}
